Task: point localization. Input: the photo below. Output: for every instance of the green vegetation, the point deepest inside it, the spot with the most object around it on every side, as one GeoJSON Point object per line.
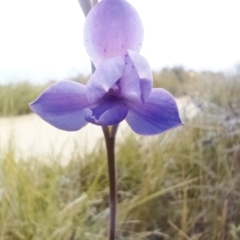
{"type": "Point", "coordinates": [184, 184]}
{"type": "Point", "coordinates": [14, 98]}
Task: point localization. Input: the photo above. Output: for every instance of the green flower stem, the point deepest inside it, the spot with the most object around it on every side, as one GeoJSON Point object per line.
{"type": "Point", "coordinates": [110, 136]}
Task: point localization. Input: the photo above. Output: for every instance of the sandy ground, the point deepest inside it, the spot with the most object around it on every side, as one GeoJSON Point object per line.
{"type": "Point", "coordinates": [31, 136]}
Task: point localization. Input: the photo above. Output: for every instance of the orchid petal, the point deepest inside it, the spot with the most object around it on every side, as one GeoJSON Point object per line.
{"type": "Point", "coordinates": [62, 105]}
{"type": "Point", "coordinates": [137, 78]}
{"type": "Point", "coordinates": [158, 114]}
{"type": "Point", "coordinates": [111, 28]}
{"type": "Point", "coordinates": [104, 77]}
{"type": "Point", "coordinates": [107, 113]}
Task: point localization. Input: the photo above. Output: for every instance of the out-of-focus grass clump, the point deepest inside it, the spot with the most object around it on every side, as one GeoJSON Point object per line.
{"type": "Point", "coordinates": [218, 88]}
{"type": "Point", "coordinates": [184, 184]}
{"type": "Point", "coordinates": [15, 97]}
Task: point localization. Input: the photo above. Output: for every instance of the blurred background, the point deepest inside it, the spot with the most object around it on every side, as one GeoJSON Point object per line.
{"type": "Point", "coordinates": [183, 184]}
{"type": "Point", "coordinates": [43, 40]}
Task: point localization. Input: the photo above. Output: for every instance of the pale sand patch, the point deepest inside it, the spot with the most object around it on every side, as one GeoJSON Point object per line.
{"type": "Point", "coordinates": [31, 136]}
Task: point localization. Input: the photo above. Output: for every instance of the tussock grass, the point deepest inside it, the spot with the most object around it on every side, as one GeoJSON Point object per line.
{"type": "Point", "coordinates": [15, 97]}
{"type": "Point", "coordinates": [184, 184]}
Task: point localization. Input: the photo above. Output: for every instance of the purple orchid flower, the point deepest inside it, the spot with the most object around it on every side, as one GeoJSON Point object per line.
{"type": "Point", "coordinates": [121, 86]}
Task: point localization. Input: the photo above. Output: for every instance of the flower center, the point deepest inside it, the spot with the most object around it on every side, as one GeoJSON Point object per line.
{"type": "Point", "coordinates": [114, 92]}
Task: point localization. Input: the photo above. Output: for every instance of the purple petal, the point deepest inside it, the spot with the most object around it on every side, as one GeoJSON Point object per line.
{"type": "Point", "coordinates": [137, 78]}
{"type": "Point", "coordinates": [111, 28]}
{"type": "Point", "coordinates": [158, 114]}
{"type": "Point", "coordinates": [62, 105]}
{"type": "Point", "coordinates": [107, 113]}
{"type": "Point", "coordinates": [104, 77]}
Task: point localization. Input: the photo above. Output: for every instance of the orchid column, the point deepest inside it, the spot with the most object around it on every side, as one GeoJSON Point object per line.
{"type": "Point", "coordinates": [120, 88]}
